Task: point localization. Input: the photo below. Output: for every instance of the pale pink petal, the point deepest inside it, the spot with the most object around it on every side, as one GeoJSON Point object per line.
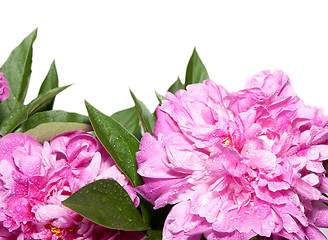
{"type": "Point", "coordinates": [147, 167]}
{"type": "Point", "coordinates": [49, 212]}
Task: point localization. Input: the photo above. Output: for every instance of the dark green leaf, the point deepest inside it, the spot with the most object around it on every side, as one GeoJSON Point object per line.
{"type": "Point", "coordinates": [47, 131]}
{"type": "Point", "coordinates": [255, 238]}
{"type": "Point", "coordinates": [49, 83]}
{"type": "Point", "coordinates": [196, 71]}
{"type": "Point", "coordinates": [17, 71]}
{"type": "Point", "coordinates": [177, 85]}
{"type": "Point", "coordinates": [147, 210]}
{"type": "Point", "coordinates": [202, 238]}
{"type": "Point", "coordinates": [129, 119]}
{"type": "Point", "coordinates": [52, 116]}
{"type": "Point", "coordinates": [160, 98]}
{"type": "Point", "coordinates": [120, 144]}
{"type": "Point", "coordinates": [154, 234]}
{"type": "Point", "coordinates": [159, 216]}
{"type": "Point", "coordinates": [12, 121]}
{"type": "Point", "coordinates": [106, 203]}
{"type": "Point", "coordinates": [146, 118]}
{"type": "Point", "coordinates": [44, 98]}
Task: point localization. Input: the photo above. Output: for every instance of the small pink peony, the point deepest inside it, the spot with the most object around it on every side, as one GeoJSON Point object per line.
{"type": "Point", "coordinates": [237, 165]}
{"type": "Point", "coordinates": [4, 88]}
{"type": "Point", "coordinates": [36, 179]}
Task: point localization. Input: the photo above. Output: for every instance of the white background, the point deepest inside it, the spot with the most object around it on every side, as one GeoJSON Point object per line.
{"type": "Point", "coordinates": [107, 47]}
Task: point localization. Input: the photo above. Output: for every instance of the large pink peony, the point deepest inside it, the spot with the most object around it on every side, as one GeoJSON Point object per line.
{"type": "Point", "coordinates": [237, 165]}
{"type": "Point", "coordinates": [35, 179]}
{"type": "Point", "coordinates": [4, 88]}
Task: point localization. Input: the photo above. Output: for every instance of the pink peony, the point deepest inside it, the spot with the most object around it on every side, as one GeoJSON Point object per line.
{"type": "Point", "coordinates": [35, 179]}
{"type": "Point", "coordinates": [237, 165]}
{"type": "Point", "coordinates": [4, 88]}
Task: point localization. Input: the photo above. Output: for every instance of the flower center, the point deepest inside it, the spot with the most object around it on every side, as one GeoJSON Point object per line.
{"type": "Point", "coordinates": [226, 141]}
{"type": "Point", "coordinates": [55, 230]}
{"type": "Point", "coordinates": [59, 231]}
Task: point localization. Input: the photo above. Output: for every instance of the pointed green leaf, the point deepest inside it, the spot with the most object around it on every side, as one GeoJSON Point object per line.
{"type": "Point", "coordinates": [160, 98]}
{"type": "Point", "coordinates": [120, 144]}
{"type": "Point", "coordinates": [106, 203]}
{"type": "Point", "coordinates": [52, 116]}
{"type": "Point", "coordinates": [44, 98]}
{"type": "Point", "coordinates": [146, 118]}
{"type": "Point", "coordinates": [49, 83]}
{"type": "Point", "coordinates": [196, 71]}
{"type": "Point", "coordinates": [129, 119]}
{"type": "Point", "coordinates": [13, 120]}
{"type": "Point", "coordinates": [47, 131]}
{"type": "Point", "coordinates": [177, 85]}
{"type": "Point", "coordinates": [17, 71]}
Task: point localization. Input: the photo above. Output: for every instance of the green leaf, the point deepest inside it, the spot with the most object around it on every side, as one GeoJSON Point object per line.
{"type": "Point", "coordinates": [129, 119]}
{"type": "Point", "coordinates": [49, 83]}
{"type": "Point", "coordinates": [52, 116]}
{"type": "Point", "coordinates": [202, 238]}
{"type": "Point", "coordinates": [255, 237]}
{"type": "Point", "coordinates": [160, 98]}
{"type": "Point", "coordinates": [106, 203]}
{"type": "Point", "coordinates": [44, 98]}
{"type": "Point", "coordinates": [12, 121]}
{"type": "Point", "coordinates": [17, 71]}
{"type": "Point", "coordinates": [147, 210]}
{"type": "Point", "coordinates": [154, 234]}
{"type": "Point", "coordinates": [177, 85]}
{"type": "Point", "coordinates": [47, 131]}
{"type": "Point", "coordinates": [120, 143]}
{"type": "Point", "coordinates": [196, 71]}
{"type": "Point", "coordinates": [146, 118]}
{"type": "Point", "coordinates": [159, 216]}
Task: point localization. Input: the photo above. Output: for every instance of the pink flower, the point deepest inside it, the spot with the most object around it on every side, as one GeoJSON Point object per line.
{"type": "Point", "coordinates": [237, 165]}
{"type": "Point", "coordinates": [36, 179]}
{"type": "Point", "coordinates": [4, 88]}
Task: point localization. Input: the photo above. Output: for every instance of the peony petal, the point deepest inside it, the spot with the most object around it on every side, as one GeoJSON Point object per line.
{"type": "Point", "coordinates": [47, 213]}
{"type": "Point", "coordinates": [150, 149]}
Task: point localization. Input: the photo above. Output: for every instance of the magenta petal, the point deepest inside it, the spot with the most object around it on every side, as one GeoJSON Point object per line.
{"type": "Point", "coordinates": [307, 190]}
{"type": "Point", "coordinates": [150, 149]}
{"type": "Point", "coordinates": [175, 226]}
{"type": "Point", "coordinates": [29, 165]}
{"type": "Point", "coordinates": [229, 235]}
{"type": "Point", "coordinates": [314, 233]}
{"type": "Point", "coordinates": [151, 190]}
{"type": "Point", "coordinates": [319, 215]}
{"type": "Point", "coordinates": [12, 141]}
{"type": "Point", "coordinates": [19, 209]}
{"type": "Point", "coordinates": [225, 159]}
{"type": "Point", "coordinates": [4, 88]}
